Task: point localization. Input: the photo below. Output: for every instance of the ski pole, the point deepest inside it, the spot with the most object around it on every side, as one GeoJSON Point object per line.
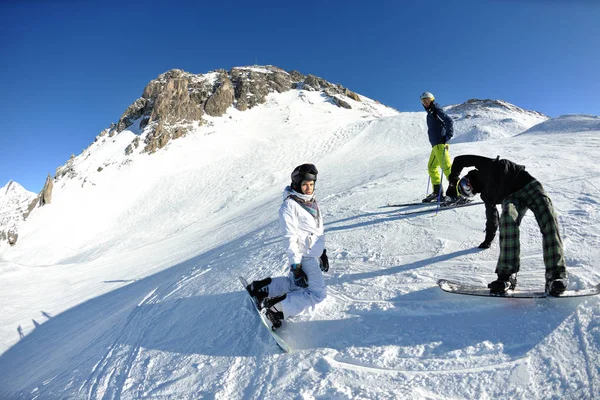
{"type": "Point", "coordinates": [441, 181]}
{"type": "Point", "coordinates": [428, 180]}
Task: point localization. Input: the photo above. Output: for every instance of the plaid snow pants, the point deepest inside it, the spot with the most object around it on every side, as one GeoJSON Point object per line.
{"type": "Point", "coordinates": [514, 207]}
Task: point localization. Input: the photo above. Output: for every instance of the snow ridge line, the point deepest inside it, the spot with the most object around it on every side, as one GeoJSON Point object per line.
{"type": "Point", "coordinates": [147, 298]}
{"type": "Point", "coordinates": [349, 364]}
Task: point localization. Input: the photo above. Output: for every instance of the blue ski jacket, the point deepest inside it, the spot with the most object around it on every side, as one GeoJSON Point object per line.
{"type": "Point", "coordinates": [440, 127]}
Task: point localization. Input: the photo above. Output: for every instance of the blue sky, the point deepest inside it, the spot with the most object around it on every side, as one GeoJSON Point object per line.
{"type": "Point", "coordinates": [69, 68]}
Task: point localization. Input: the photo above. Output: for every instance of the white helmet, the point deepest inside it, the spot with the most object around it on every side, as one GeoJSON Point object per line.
{"type": "Point", "coordinates": [427, 95]}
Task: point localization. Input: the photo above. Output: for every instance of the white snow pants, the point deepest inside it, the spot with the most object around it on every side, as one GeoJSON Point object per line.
{"type": "Point", "coordinates": [299, 299]}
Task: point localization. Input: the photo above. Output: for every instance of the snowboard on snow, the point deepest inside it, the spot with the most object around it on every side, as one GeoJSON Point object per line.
{"type": "Point", "coordinates": [265, 321]}
{"type": "Point", "coordinates": [474, 290]}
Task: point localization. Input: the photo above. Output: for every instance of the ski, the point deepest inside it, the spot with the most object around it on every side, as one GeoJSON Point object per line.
{"type": "Point", "coordinates": [475, 290]}
{"type": "Point", "coordinates": [428, 203]}
{"type": "Point", "coordinates": [420, 203]}
{"type": "Point", "coordinates": [278, 339]}
{"type": "Point", "coordinates": [448, 207]}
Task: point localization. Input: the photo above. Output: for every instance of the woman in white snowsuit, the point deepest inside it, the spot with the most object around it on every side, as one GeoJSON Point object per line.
{"type": "Point", "coordinates": [302, 227]}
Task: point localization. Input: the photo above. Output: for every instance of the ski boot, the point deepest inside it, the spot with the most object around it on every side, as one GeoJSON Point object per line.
{"type": "Point", "coordinates": [433, 196]}
{"type": "Point", "coordinates": [259, 290]}
{"type": "Point", "coordinates": [503, 284]}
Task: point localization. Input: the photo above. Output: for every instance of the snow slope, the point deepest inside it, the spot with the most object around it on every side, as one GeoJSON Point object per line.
{"type": "Point", "coordinates": [125, 286]}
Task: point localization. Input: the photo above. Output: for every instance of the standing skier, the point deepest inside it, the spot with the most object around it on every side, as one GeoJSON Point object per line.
{"type": "Point", "coordinates": [504, 182]}
{"type": "Point", "coordinates": [302, 227]}
{"type": "Point", "coordinates": [440, 129]}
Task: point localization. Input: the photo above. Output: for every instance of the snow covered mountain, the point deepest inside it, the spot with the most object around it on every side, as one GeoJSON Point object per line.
{"type": "Point", "coordinates": [125, 286]}
{"type": "Point", "coordinates": [14, 203]}
{"type": "Point", "coordinates": [477, 120]}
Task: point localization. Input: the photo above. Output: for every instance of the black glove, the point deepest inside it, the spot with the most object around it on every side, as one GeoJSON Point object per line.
{"type": "Point", "coordinates": [300, 278]}
{"type": "Point", "coordinates": [454, 177]}
{"type": "Point", "coordinates": [324, 264]}
{"type": "Point", "coordinates": [485, 244]}
{"type": "Point", "coordinates": [451, 191]}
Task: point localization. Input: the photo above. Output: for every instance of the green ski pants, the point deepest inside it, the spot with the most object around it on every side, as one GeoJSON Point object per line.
{"type": "Point", "coordinates": [514, 207]}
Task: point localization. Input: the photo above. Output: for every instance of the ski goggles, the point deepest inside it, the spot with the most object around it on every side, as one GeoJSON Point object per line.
{"type": "Point", "coordinates": [464, 187]}
{"type": "Point", "coordinates": [305, 172]}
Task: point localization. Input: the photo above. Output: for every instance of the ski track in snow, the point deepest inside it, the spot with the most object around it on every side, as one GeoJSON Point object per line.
{"type": "Point", "coordinates": [158, 312]}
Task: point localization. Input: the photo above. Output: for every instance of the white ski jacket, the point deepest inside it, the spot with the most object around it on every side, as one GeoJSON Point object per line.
{"type": "Point", "coordinates": [303, 235]}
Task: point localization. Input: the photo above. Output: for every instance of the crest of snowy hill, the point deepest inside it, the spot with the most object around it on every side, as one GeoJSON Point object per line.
{"type": "Point", "coordinates": [477, 120]}
{"type": "Point", "coordinates": [14, 204]}
{"type": "Point", "coordinates": [567, 124]}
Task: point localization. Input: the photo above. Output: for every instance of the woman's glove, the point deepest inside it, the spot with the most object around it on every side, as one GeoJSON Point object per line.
{"type": "Point", "coordinates": [300, 278]}
{"type": "Point", "coordinates": [324, 264]}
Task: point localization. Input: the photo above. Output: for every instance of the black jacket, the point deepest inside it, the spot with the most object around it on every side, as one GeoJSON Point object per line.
{"type": "Point", "coordinates": [494, 179]}
{"type": "Point", "coordinates": [440, 126]}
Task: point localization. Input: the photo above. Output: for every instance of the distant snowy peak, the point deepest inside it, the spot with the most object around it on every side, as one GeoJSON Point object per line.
{"type": "Point", "coordinates": [567, 124]}
{"type": "Point", "coordinates": [478, 120]}
{"type": "Point", "coordinates": [471, 108]}
{"type": "Point", "coordinates": [14, 203]}
{"type": "Point", "coordinates": [13, 191]}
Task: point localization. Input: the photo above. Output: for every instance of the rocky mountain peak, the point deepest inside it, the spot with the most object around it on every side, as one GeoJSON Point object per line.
{"type": "Point", "coordinates": [177, 101]}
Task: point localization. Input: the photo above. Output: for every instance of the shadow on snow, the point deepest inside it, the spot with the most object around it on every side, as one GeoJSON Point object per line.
{"type": "Point", "coordinates": [100, 335]}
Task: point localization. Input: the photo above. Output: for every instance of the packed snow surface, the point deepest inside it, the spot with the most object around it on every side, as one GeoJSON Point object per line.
{"type": "Point", "coordinates": [125, 287]}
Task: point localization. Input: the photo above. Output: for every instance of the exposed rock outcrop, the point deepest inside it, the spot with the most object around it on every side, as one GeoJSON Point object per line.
{"type": "Point", "coordinates": [222, 98]}
{"type": "Point", "coordinates": [341, 103]}
{"type": "Point", "coordinates": [46, 194]}
{"type": "Point", "coordinates": [132, 113]}
{"type": "Point", "coordinates": [176, 102]}
{"type": "Point", "coordinates": [66, 169]}
{"type": "Point", "coordinates": [43, 198]}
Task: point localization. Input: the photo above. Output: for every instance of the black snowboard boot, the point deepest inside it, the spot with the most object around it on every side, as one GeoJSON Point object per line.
{"type": "Point", "coordinates": [268, 306]}
{"type": "Point", "coordinates": [259, 290]}
{"type": "Point", "coordinates": [503, 284]}
{"type": "Point", "coordinates": [433, 196]}
{"type": "Point", "coordinates": [556, 287]}
{"type": "Point", "coordinates": [276, 317]}
{"type": "Point", "coordinates": [271, 301]}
